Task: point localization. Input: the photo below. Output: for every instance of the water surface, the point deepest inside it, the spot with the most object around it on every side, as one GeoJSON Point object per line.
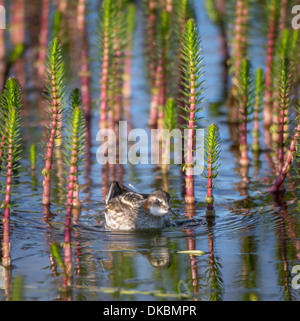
{"type": "Point", "coordinates": [250, 245]}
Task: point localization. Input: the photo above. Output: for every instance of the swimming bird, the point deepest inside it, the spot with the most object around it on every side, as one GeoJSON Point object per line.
{"type": "Point", "coordinates": [128, 210]}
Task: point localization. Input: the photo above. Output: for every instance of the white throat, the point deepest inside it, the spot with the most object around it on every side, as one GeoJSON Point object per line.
{"type": "Point", "coordinates": [157, 211]}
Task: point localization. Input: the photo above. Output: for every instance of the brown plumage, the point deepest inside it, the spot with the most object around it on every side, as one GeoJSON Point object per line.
{"type": "Point", "coordinates": [128, 210]}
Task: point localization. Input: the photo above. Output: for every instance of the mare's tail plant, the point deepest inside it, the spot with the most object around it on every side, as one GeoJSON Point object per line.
{"type": "Point", "coordinates": [193, 90]}
{"type": "Point", "coordinates": [295, 48]}
{"type": "Point", "coordinates": [117, 62]}
{"type": "Point", "coordinates": [282, 96]}
{"type": "Point", "coordinates": [292, 151]}
{"type": "Point", "coordinates": [282, 54]}
{"type": "Point", "coordinates": [130, 29]}
{"type": "Point", "coordinates": [55, 86]}
{"type": "Point", "coordinates": [56, 252]}
{"type": "Point", "coordinates": [33, 157]}
{"type": "Point", "coordinates": [170, 117]}
{"type": "Point", "coordinates": [244, 100]}
{"type": "Point", "coordinates": [85, 73]}
{"type": "Point", "coordinates": [43, 37]}
{"type": "Point", "coordinates": [10, 129]}
{"type": "Point", "coordinates": [259, 89]}
{"type": "Point", "coordinates": [151, 13]}
{"type": "Point", "coordinates": [284, 99]}
{"type": "Point", "coordinates": [75, 145]}
{"type": "Point", "coordinates": [159, 89]}
{"type": "Point", "coordinates": [272, 33]}
{"type": "Point", "coordinates": [240, 40]}
{"type": "Point", "coordinates": [212, 148]}
{"type": "Point", "coordinates": [75, 150]}
{"type": "Point", "coordinates": [182, 13]}
{"type": "Point", "coordinates": [106, 24]}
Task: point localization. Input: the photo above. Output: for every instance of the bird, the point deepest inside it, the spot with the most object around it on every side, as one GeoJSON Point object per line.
{"type": "Point", "coordinates": [128, 210]}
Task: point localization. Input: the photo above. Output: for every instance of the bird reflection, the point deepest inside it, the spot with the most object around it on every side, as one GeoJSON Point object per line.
{"type": "Point", "coordinates": [158, 253]}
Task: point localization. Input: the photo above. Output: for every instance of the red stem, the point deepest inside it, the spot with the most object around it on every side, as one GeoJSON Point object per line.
{"type": "Point", "coordinates": [240, 31]}
{"type": "Point", "coordinates": [104, 82]}
{"type": "Point", "coordinates": [117, 78]}
{"type": "Point", "coordinates": [2, 55]}
{"type": "Point", "coordinates": [18, 22]}
{"type": "Point", "coordinates": [156, 95]}
{"type": "Point", "coordinates": [51, 143]}
{"type": "Point", "coordinates": [281, 136]}
{"type": "Point", "coordinates": [73, 179]}
{"type": "Point", "coordinates": [85, 67]}
{"type": "Point", "coordinates": [127, 72]}
{"type": "Point", "coordinates": [162, 95]}
{"type": "Point", "coordinates": [256, 124]}
{"type": "Point", "coordinates": [6, 255]}
{"type": "Point", "coordinates": [189, 172]}
{"type": "Point", "coordinates": [169, 5]}
{"type": "Point", "coordinates": [283, 14]}
{"type": "Point", "coordinates": [210, 203]}
{"type": "Point", "coordinates": [243, 137]}
{"type": "Point", "coordinates": [289, 159]}
{"type": "Point", "coordinates": [269, 67]}
{"type": "Point", "coordinates": [151, 32]}
{"type": "Point", "coordinates": [44, 32]}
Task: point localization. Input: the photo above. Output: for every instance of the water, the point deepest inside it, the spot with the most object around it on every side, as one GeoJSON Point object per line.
{"type": "Point", "coordinates": [249, 247]}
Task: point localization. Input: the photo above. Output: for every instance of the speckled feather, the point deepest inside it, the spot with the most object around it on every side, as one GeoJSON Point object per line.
{"type": "Point", "coordinates": [128, 210]}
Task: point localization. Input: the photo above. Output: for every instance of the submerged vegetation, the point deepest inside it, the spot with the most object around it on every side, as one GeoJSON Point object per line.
{"type": "Point", "coordinates": [261, 104]}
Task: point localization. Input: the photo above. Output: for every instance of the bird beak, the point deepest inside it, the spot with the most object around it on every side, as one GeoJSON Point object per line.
{"type": "Point", "coordinates": [170, 211]}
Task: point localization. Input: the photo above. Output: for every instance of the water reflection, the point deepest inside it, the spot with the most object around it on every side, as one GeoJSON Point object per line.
{"type": "Point", "coordinates": [214, 274]}
{"type": "Point", "coordinates": [251, 239]}
{"type": "Point", "coordinates": [156, 248]}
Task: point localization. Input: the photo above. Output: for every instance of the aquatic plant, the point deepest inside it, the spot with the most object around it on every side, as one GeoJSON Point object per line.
{"type": "Point", "coordinates": [259, 90]}
{"type": "Point", "coordinates": [2, 57]}
{"type": "Point", "coordinates": [212, 149]}
{"type": "Point", "coordinates": [75, 148]}
{"type": "Point", "coordinates": [191, 54]}
{"type": "Point", "coordinates": [11, 104]}
{"type": "Point", "coordinates": [159, 89]}
{"type": "Point", "coordinates": [55, 86]}
{"type": "Point", "coordinates": [240, 40]}
{"type": "Point", "coordinates": [58, 26]}
{"type": "Point", "coordinates": [283, 18]}
{"type": "Point", "coordinates": [282, 95]}
{"type": "Point", "coordinates": [33, 156]}
{"type": "Point", "coordinates": [244, 95]}
{"type": "Point", "coordinates": [295, 58]}
{"type": "Point", "coordinates": [85, 73]}
{"type": "Point", "coordinates": [18, 289]}
{"type": "Point", "coordinates": [56, 252]}
{"type": "Point", "coordinates": [151, 14]}
{"type": "Point", "coordinates": [130, 29]}
{"type": "Point", "coordinates": [117, 63]}
{"type": "Point", "coordinates": [3, 125]}
{"type": "Point", "coordinates": [182, 13]}
{"type": "Point", "coordinates": [75, 145]}
{"type": "Point", "coordinates": [282, 52]}
{"type": "Point", "coordinates": [272, 33]}
{"type": "Point", "coordinates": [105, 30]}
{"type": "Point", "coordinates": [292, 151]}
{"type": "Point", "coordinates": [43, 37]}
{"type": "Point", "coordinates": [170, 117]}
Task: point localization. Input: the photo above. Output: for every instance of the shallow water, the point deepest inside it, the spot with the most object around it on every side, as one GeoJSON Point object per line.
{"type": "Point", "coordinates": [249, 247]}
